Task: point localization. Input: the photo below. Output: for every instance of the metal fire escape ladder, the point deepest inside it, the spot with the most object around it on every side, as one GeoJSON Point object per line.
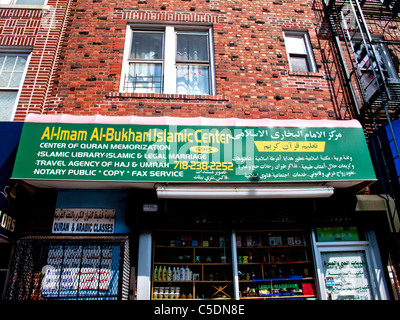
{"type": "Point", "coordinates": [335, 18]}
{"type": "Point", "coordinates": [385, 97]}
{"type": "Point", "coordinates": [347, 19]}
{"type": "Point", "coordinates": [362, 30]}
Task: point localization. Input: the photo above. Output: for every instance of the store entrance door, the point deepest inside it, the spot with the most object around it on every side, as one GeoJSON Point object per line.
{"type": "Point", "coordinates": [346, 276]}
{"type": "Point", "coordinates": [349, 270]}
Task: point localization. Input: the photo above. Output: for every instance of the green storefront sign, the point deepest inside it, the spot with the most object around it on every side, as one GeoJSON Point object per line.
{"type": "Point", "coordinates": [166, 153]}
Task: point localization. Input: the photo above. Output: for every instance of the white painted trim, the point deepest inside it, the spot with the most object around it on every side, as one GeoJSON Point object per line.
{"type": "Point", "coordinates": [375, 269]}
{"type": "Point", "coordinates": [169, 73]}
{"type": "Point", "coordinates": [144, 266]}
{"type": "Point", "coordinates": [307, 43]}
{"type": "Point", "coordinates": [14, 111]}
{"type": "Point", "coordinates": [169, 56]}
{"type": "Point", "coordinates": [125, 63]}
{"type": "Point", "coordinates": [235, 269]}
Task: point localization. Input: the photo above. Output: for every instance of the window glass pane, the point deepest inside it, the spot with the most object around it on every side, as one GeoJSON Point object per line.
{"type": "Point", "coordinates": [144, 78]}
{"type": "Point", "coordinates": [15, 80]}
{"type": "Point", "coordinates": [9, 63]}
{"type": "Point", "coordinates": [7, 100]}
{"type": "Point", "coordinates": [11, 70]}
{"type": "Point", "coordinates": [38, 2]}
{"type": "Point", "coordinates": [146, 46]}
{"type": "Point", "coordinates": [346, 276]}
{"type": "Point", "coordinates": [5, 79]}
{"type": "Point", "coordinates": [20, 64]}
{"type": "Point", "coordinates": [192, 47]}
{"type": "Point", "coordinates": [192, 79]}
{"type": "Point", "coordinates": [295, 44]}
{"type": "Point", "coordinates": [299, 63]}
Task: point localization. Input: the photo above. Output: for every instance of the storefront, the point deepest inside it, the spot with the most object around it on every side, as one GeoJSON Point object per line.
{"type": "Point", "coordinates": [84, 254]}
{"type": "Point", "coordinates": [8, 215]}
{"type": "Point", "coordinates": [262, 250]}
{"type": "Point", "coordinates": [222, 208]}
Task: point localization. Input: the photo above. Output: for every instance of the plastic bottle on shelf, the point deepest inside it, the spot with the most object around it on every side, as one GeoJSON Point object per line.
{"type": "Point", "coordinates": [169, 274]}
{"type": "Point", "coordinates": [174, 274]}
{"type": "Point", "coordinates": [156, 273]}
{"type": "Point", "coordinates": [159, 273]}
{"type": "Point", "coordinates": [181, 274]}
{"type": "Point", "coordinates": [164, 273]}
{"type": "Point", "coordinates": [187, 273]}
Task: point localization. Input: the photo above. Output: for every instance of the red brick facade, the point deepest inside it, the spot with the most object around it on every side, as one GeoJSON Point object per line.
{"type": "Point", "coordinates": [252, 70]}
{"type": "Point", "coordinates": [253, 79]}
{"type": "Point", "coordinates": [41, 30]}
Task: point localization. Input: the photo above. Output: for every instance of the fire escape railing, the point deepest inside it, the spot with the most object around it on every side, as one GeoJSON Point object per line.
{"type": "Point", "coordinates": [370, 89]}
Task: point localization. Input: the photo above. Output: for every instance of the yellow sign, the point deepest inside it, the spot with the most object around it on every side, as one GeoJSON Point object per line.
{"type": "Point", "coordinates": [290, 146]}
{"type": "Point", "coordinates": [203, 149]}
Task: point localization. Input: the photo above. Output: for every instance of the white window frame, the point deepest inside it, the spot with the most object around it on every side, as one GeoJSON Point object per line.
{"type": "Point", "coordinates": [17, 51]}
{"type": "Point", "coordinates": [169, 62]}
{"type": "Point", "coordinates": [308, 54]}
{"type": "Point", "coordinates": [379, 289]}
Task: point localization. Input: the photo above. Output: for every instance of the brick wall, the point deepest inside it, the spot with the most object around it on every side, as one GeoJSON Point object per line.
{"type": "Point", "coordinates": [41, 30]}
{"type": "Point", "coordinates": [252, 70]}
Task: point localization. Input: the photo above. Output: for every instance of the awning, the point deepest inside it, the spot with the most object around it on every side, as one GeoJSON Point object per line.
{"type": "Point", "coordinates": [67, 151]}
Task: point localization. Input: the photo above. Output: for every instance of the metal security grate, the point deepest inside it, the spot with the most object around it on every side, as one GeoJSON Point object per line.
{"type": "Point", "coordinates": [143, 84]}
{"type": "Point", "coordinates": [70, 268]}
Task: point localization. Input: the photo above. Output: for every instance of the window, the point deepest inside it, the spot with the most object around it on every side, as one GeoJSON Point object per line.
{"type": "Point", "coordinates": [168, 60]}
{"type": "Point", "coordinates": [146, 62]}
{"type": "Point", "coordinates": [68, 268]}
{"type": "Point", "coordinates": [23, 2]}
{"type": "Point", "coordinates": [12, 70]}
{"type": "Point", "coordinates": [299, 52]}
{"type": "Point", "coordinates": [192, 63]}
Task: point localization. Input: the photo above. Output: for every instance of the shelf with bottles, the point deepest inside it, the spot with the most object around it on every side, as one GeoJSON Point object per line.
{"type": "Point", "coordinates": [272, 247]}
{"type": "Point", "coordinates": [277, 281]}
{"type": "Point", "coordinates": [192, 247]}
{"type": "Point", "coordinates": [261, 290]}
{"type": "Point", "coordinates": [275, 265]}
{"type": "Point", "coordinates": [192, 239]}
{"type": "Point", "coordinates": [196, 262]}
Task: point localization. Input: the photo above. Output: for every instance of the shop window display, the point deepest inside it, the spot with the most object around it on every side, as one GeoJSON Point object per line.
{"type": "Point", "coordinates": [275, 265]}
{"type": "Point", "coordinates": [61, 269]}
{"type": "Point", "coordinates": [192, 265]}
{"type": "Point", "coordinates": [198, 265]}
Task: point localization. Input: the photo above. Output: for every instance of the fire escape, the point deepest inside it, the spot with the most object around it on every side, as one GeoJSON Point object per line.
{"type": "Point", "coordinates": [367, 38]}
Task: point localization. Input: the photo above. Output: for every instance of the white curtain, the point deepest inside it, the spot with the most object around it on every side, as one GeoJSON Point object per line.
{"type": "Point", "coordinates": [192, 79]}
{"type": "Point", "coordinates": [145, 78]}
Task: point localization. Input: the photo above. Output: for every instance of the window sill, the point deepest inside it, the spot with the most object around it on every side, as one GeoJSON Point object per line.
{"type": "Point", "coordinates": [25, 6]}
{"type": "Point", "coordinates": [166, 96]}
{"type": "Point", "coordinates": [305, 74]}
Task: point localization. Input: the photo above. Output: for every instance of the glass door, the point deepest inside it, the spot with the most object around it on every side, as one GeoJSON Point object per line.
{"type": "Point", "coordinates": [348, 268]}
{"type": "Point", "coordinates": [346, 276]}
